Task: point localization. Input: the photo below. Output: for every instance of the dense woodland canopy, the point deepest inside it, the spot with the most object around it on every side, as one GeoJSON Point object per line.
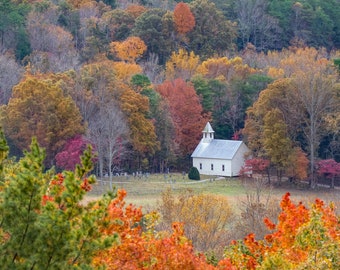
{"type": "Point", "coordinates": [139, 79]}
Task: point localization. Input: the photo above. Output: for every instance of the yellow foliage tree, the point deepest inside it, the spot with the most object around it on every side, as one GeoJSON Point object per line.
{"type": "Point", "coordinates": [315, 79]}
{"type": "Point", "coordinates": [39, 108]}
{"type": "Point", "coordinates": [205, 216]}
{"type": "Point", "coordinates": [181, 65]}
{"type": "Point", "coordinates": [124, 71]}
{"type": "Point", "coordinates": [129, 50]}
{"type": "Point", "coordinates": [143, 135]}
{"type": "Point", "coordinates": [224, 68]}
{"type": "Point", "coordinates": [275, 73]}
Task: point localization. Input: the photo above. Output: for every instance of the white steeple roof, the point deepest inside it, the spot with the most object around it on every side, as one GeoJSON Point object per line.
{"type": "Point", "coordinates": [208, 133]}
{"type": "Point", "coordinates": [208, 128]}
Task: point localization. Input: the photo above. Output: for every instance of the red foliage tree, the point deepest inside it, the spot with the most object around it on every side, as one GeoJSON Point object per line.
{"type": "Point", "coordinates": [183, 18]}
{"type": "Point", "coordinates": [254, 166]}
{"type": "Point", "coordinates": [329, 168]}
{"type": "Point", "coordinates": [69, 157]}
{"type": "Point", "coordinates": [186, 113]}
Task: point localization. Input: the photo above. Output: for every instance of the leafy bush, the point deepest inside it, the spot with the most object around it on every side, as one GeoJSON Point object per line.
{"type": "Point", "coordinates": [194, 174]}
{"type": "Point", "coordinates": [206, 219]}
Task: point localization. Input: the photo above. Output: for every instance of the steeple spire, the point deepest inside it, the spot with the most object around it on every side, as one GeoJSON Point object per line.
{"type": "Point", "coordinates": [208, 133]}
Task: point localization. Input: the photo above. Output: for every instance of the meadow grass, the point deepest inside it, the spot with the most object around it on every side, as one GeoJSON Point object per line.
{"type": "Point", "coordinates": [146, 191]}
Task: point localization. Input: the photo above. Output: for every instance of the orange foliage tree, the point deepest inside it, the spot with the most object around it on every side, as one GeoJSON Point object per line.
{"type": "Point", "coordinates": [186, 113]}
{"type": "Point", "coordinates": [130, 49]}
{"type": "Point", "coordinates": [298, 164]}
{"type": "Point", "coordinates": [145, 250]}
{"type": "Point", "coordinates": [135, 10]}
{"type": "Point", "coordinates": [183, 18]}
{"type": "Point", "coordinates": [302, 238]}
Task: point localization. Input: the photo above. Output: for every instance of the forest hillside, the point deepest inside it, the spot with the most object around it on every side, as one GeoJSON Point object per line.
{"type": "Point", "coordinates": [138, 80]}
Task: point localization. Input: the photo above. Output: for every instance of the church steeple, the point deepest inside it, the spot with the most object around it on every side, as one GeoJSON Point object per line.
{"type": "Point", "coordinates": [208, 133]}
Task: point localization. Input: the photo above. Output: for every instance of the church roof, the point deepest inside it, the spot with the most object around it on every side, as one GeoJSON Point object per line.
{"type": "Point", "coordinates": [220, 149]}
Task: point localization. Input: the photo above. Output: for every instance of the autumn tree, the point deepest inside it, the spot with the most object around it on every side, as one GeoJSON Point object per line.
{"type": "Point", "coordinates": [186, 114]}
{"type": "Point", "coordinates": [276, 143]}
{"type": "Point", "coordinates": [332, 125]}
{"type": "Point", "coordinates": [125, 71]}
{"type": "Point", "coordinates": [205, 218]}
{"type": "Point", "coordinates": [298, 165]}
{"type": "Point", "coordinates": [70, 155]}
{"type": "Point", "coordinates": [160, 115]}
{"type": "Point", "coordinates": [235, 87]}
{"type": "Point", "coordinates": [135, 10]}
{"type": "Point", "coordinates": [106, 81]}
{"type": "Point", "coordinates": [227, 87]}
{"type": "Point", "coordinates": [302, 238]}
{"type": "Point", "coordinates": [183, 18]}
{"type": "Point", "coordinates": [224, 68]}
{"type": "Point", "coordinates": [256, 166]}
{"type": "Point", "coordinates": [39, 108]}
{"type": "Point", "coordinates": [279, 95]}
{"type": "Point", "coordinates": [330, 169]}
{"type": "Point", "coordinates": [145, 248]}
{"type": "Point", "coordinates": [181, 65]}
{"type": "Point", "coordinates": [142, 131]}
{"type": "Point", "coordinates": [129, 50]}
{"type": "Point", "coordinates": [94, 86]}
{"type": "Point", "coordinates": [315, 81]}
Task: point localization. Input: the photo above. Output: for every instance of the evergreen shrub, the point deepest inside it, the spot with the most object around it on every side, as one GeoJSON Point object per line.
{"type": "Point", "coordinates": [194, 174]}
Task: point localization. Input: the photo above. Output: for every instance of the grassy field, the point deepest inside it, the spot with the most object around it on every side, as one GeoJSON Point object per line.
{"type": "Point", "coordinates": [146, 191]}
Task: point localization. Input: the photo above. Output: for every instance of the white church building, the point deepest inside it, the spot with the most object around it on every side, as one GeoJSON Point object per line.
{"type": "Point", "coordinates": [218, 157]}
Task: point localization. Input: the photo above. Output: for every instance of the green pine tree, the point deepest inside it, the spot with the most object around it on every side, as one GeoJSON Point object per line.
{"type": "Point", "coordinates": [43, 224]}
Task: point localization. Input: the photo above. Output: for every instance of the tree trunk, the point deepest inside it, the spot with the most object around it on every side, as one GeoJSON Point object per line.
{"type": "Point", "coordinates": [332, 186]}
{"type": "Point", "coordinates": [109, 164]}
{"type": "Point", "coordinates": [312, 141]}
